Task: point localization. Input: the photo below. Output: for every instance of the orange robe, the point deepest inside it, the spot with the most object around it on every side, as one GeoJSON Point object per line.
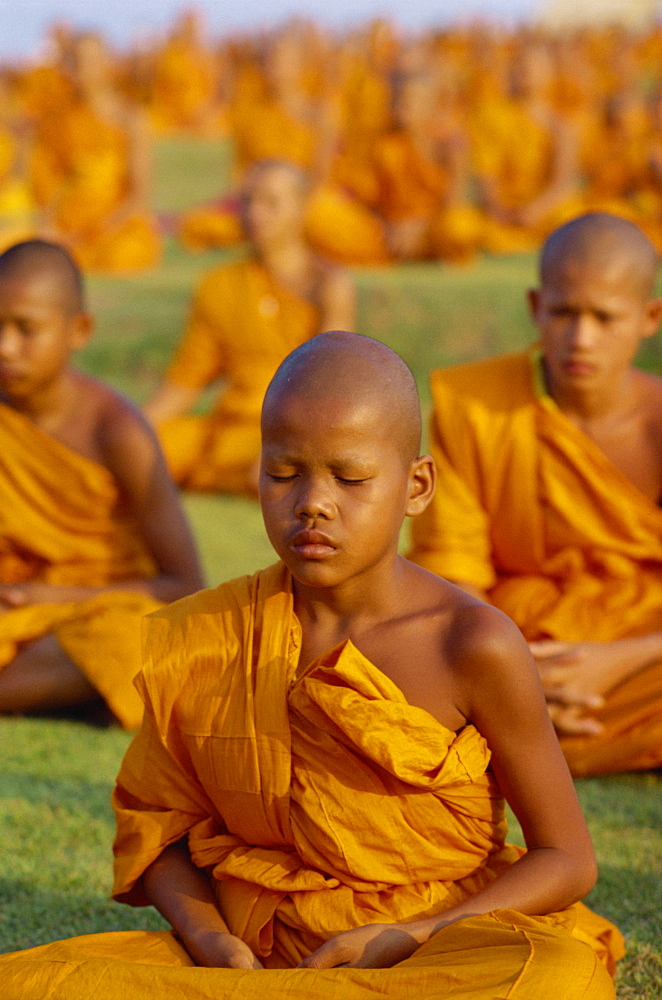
{"type": "Point", "coordinates": [79, 170]}
{"type": "Point", "coordinates": [515, 152]}
{"type": "Point", "coordinates": [61, 523]}
{"type": "Point", "coordinates": [317, 799]}
{"type": "Point", "coordinates": [529, 509]}
{"type": "Point", "coordinates": [241, 326]}
{"type": "Point", "coordinates": [413, 186]}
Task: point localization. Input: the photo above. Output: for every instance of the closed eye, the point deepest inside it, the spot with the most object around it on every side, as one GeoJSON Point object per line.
{"type": "Point", "coordinates": [350, 482]}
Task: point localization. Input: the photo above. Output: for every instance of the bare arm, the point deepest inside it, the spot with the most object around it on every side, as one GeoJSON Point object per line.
{"type": "Point", "coordinates": [183, 895]}
{"type": "Point", "coordinates": [337, 302]}
{"type": "Point", "coordinates": [170, 400]}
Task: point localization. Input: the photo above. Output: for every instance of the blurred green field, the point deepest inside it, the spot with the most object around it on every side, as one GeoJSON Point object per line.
{"type": "Point", "coordinates": [55, 821]}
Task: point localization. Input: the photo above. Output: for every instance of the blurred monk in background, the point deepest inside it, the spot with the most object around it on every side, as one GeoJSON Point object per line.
{"type": "Point", "coordinates": [550, 502]}
{"type": "Point", "coordinates": [91, 171]}
{"type": "Point", "coordinates": [183, 82]}
{"type": "Point", "coordinates": [245, 318]}
{"type": "Point", "coordinates": [422, 171]}
{"type": "Point", "coordinates": [525, 157]}
{"type": "Point", "coordinates": [92, 535]}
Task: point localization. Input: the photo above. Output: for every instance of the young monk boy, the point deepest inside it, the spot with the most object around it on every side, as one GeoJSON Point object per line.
{"type": "Point", "coordinates": [91, 531]}
{"type": "Point", "coordinates": [549, 506]}
{"type": "Point", "coordinates": [315, 798]}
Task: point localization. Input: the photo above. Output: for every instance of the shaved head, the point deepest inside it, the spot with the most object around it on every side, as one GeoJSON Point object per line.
{"type": "Point", "coordinates": [349, 370]}
{"type": "Point", "coordinates": [602, 240]}
{"type": "Point", "coordinates": [39, 258]}
{"type": "Point", "coordinates": [261, 168]}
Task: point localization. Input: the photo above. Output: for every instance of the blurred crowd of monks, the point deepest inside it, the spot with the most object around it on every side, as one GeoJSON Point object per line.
{"type": "Point", "coordinates": [434, 146]}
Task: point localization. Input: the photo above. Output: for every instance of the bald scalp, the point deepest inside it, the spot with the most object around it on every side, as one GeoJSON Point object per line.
{"type": "Point", "coordinates": [601, 239]}
{"type": "Point", "coordinates": [300, 178]}
{"type": "Point", "coordinates": [39, 258]}
{"type": "Point", "coordinates": [349, 369]}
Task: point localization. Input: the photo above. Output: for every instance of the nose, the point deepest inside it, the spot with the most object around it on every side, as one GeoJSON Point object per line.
{"type": "Point", "coordinates": [313, 500]}
{"type": "Point", "coordinates": [10, 340]}
{"type": "Point", "coordinates": [582, 332]}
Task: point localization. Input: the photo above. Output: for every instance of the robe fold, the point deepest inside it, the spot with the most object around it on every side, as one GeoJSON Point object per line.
{"type": "Point", "coordinates": [241, 326]}
{"type": "Point", "coordinates": [317, 799]}
{"type": "Point", "coordinates": [61, 523]}
{"type": "Point", "coordinates": [530, 510]}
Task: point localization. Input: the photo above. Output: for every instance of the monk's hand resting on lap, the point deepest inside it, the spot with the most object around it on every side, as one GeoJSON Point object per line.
{"type": "Point", "coordinates": [375, 946]}
{"type": "Point", "coordinates": [576, 675]}
{"type": "Point", "coordinates": [220, 950]}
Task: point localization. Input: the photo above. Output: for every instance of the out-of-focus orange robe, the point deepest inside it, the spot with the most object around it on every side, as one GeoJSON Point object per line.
{"type": "Point", "coordinates": [16, 202]}
{"type": "Point", "coordinates": [317, 799]}
{"type": "Point", "coordinates": [79, 170]}
{"type": "Point", "coordinates": [515, 153]}
{"type": "Point", "coordinates": [182, 89]}
{"type": "Point", "coordinates": [529, 509]}
{"type": "Point", "coordinates": [61, 523]}
{"type": "Point", "coordinates": [241, 326]}
{"type": "Point", "coordinates": [413, 186]}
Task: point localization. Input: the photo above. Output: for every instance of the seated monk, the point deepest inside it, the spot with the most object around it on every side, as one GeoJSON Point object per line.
{"type": "Point", "coordinates": [421, 167]}
{"type": "Point", "coordinates": [315, 800]}
{"type": "Point", "coordinates": [278, 119]}
{"type": "Point", "coordinates": [245, 317]}
{"type": "Point", "coordinates": [525, 157]}
{"type": "Point", "coordinates": [90, 170]}
{"type": "Point", "coordinates": [551, 465]}
{"type": "Point", "coordinates": [92, 534]}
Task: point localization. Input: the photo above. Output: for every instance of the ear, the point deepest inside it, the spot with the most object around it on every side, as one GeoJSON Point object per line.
{"type": "Point", "coordinates": [653, 316]}
{"type": "Point", "coordinates": [533, 298]}
{"type": "Point", "coordinates": [81, 329]}
{"type": "Point", "coordinates": [422, 482]}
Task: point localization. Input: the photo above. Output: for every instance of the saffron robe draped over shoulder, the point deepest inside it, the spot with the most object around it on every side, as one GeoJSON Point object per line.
{"type": "Point", "coordinates": [241, 326]}
{"type": "Point", "coordinates": [61, 523]}
{"type": "Point", "coordinates": [530, 510]}
{"type": "Point", "coordinates": [317, 799]}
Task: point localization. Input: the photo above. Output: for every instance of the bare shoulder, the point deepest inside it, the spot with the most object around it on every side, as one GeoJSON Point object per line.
{"type": "Point", "coordinates": [115, 426]}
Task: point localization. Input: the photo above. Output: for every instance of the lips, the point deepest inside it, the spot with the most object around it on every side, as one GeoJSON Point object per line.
{"type": "Point", "coordinates": [577, 366]}
{"type": "Point", "coordinates": [312, 544]}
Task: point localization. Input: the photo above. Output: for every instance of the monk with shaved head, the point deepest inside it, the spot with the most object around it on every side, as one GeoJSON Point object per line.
{"type": "Point", "coordinates": [91, 531]}
{"type": "Point", "coordinates": [550, 502]}
{"type": "Point", "coordinates": [315, 800]}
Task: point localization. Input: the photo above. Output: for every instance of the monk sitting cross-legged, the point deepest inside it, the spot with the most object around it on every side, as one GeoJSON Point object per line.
{"type": "Point", "coordinates": [551, 470]}
{"type": "Point", "coordinates": [315, 800]}
{"type": "Point", "coordinates": [91, 531]}
{"type": "Point", "coordinates": [245, 317]}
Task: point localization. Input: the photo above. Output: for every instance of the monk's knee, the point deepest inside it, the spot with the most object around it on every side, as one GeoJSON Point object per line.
{"type": "Point", "coordinates": [41, 676]}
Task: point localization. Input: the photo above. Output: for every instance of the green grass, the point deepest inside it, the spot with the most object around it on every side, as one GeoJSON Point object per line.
{"type": "Point", "coordinates": [55, 822]}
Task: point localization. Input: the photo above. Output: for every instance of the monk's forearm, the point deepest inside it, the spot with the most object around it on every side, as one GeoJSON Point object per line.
{"type": "Point", "coordinates": [164, 587]}
{"type": "Point", "coordinates": [182, 894]}
{"type": "Point", "coordinates": [543, 881]}
{"type": "Point", "coordinates": [170, 400]}
{"type": "Point", "coordinates": [634, 654]}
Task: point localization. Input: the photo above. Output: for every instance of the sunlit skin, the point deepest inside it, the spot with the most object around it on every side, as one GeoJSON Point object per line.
{"type": "Point", "coordinates": [42, 324]}
{"type": "Point", "coordinates": [340, 471]}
